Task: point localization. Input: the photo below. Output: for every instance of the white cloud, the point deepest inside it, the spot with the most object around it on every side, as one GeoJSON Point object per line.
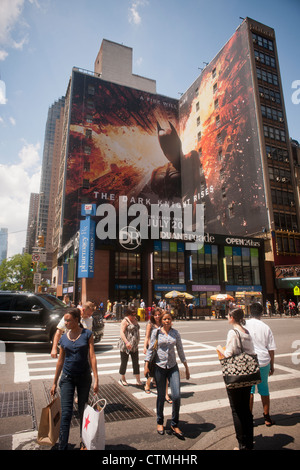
{"type": "Point", "coordinates": [10, 12]}
{"type": "Point", "coordinates": [13, 27]}
{"type": "Point", "coordinates": [3, 54]}
{"type": "Point", "coordinates": [134, 15]}
{"type": "Point", "coordinates": [12, 121]}
{"type": "Point", "coordinates": [3, 99]}
{"type": "Point", "coordinates": [29, 156]}
{"type": "Point", "coordinates": [17, 181]}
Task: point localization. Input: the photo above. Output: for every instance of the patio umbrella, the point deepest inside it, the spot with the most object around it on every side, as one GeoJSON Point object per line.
{"type": "Point", "coordinates": [221, 297]}
{"type": "Point", "coordinates": [187, 295]}
{"type": "Point", "coordinates": [173, 294]}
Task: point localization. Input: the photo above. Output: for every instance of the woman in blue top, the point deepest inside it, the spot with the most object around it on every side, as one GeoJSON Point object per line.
{"type": "Point", "coordinates": [76, 355]}
{"type": "Point", "coordinates": [167, 369]}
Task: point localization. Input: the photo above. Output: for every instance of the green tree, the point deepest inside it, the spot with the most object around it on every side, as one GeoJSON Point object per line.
{"type": "Point", "coordinates": [16, 274]}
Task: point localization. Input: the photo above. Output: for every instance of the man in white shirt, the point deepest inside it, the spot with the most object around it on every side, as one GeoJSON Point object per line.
{"type": "Point", "coordinates": [265, 347]}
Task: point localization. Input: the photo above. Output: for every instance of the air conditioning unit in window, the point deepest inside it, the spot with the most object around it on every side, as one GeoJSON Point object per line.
{"type": "Point", "coordinates": [278, 179]}
{"type": "Point", "coordinates": [281, 120]}
{"type": "Point", "coordinates": [292, 204]}
{"type": "Point", "coordinates": [269, 155]}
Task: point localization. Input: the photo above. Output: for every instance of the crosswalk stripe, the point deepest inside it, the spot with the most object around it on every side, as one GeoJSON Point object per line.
{"type": "Point", "coordinates": [223, 402]}
{"type": "Point", "coordinates": [208, 387]}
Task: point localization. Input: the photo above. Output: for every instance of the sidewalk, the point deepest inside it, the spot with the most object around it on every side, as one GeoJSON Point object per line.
{"type": "Point", "coordinates": [284, 435]}
{"type": "Point", "coordinates": [141, 434]}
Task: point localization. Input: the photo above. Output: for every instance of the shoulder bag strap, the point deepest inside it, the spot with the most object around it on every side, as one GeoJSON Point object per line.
{"type": "Point", "coordinates": [156, 339]}
{"type": "Point", "coordinates": [238, 334]}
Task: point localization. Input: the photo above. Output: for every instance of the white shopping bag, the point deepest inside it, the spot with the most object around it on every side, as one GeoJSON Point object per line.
{"type": "Point", "coordinates": [93, 425]}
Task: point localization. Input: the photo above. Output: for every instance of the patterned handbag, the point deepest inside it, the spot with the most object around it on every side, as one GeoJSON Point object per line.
{"type": "Point", "coordinates": [240, 370]}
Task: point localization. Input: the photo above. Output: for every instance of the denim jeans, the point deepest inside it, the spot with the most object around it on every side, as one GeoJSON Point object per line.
{"type": "Point", "coordinates": [161, 376]}
{"type": "Point", "coordinates": [67, 384]}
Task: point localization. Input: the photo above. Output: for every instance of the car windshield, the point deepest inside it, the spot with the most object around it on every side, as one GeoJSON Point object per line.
{"type": "Point", "coordinates": [51, 302]}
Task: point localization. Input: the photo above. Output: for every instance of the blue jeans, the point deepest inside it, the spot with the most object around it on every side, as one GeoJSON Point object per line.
{"type": "Point", "coordinates": [161, 377]}
{"type": "Point", "coordinates": [67, 384]}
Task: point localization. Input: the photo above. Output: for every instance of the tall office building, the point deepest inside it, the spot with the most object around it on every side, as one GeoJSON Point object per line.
{"type": "Point", "coordinates": [3, 243]}
{"type": "Point", "coordinates": [48, 185]}
{"type": "Point", "coordinates": [224, 144]}
{"type": "Point", "coordinates": [32, 222]}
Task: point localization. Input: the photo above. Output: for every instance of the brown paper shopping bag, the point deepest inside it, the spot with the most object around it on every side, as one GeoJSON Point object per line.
{"type": "Point", "coordinates": [50, 423]}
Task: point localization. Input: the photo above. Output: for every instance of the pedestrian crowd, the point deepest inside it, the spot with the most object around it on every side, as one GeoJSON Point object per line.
{"type": "Point", "coordinates": [77, 362]}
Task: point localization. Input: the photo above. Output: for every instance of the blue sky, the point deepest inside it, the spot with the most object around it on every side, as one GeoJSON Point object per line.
{"type": "Point", "coordinates": [41, 40]}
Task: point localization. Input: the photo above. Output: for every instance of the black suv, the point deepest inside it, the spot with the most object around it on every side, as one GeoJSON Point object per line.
{"type": "Point", "coordinates": [33, 317]}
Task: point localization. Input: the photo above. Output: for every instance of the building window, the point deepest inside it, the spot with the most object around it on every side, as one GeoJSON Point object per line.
{"type": "Point", "coordinates": [288, 243]}
{"type": "Point", "coordinates": [278, 154]}
{"type": "Point", "coordinates": [265, 59]}
{"type": "Point", "coordinates": [271, 95]}
{"type": "Point", "coordinates": [263, 42]}
{"type": "Point", "coordinates": [242, 265]}
{"type": "Point", "coordinates": [274, 133]}
{"type": "Point", "coordinates": [215, 88]}
{"type": "Point", "coordinates": [266, 76]}
{"type": "Point", "coordinates": [86, 184]}
{"type": "Point", "coordinates": [168, 262]}
{"type": "Point", "coordinates": [127, 266]}
{"type": "Point", "coordinates": [216, 104]}
{"type": "Point", "coordinates": [282, 197]}
{"type": "Point", "coordinates": [205, 265]}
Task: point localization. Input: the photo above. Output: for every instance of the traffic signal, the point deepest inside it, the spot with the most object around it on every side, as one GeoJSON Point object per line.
{"type": "Point", "coordinates": [32, 266]}
{"type": "Point", "coordinates": [41, 240]}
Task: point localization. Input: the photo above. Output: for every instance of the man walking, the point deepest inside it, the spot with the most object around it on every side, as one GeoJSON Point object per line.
{"type": "Point", "coordinates": [265, 347]}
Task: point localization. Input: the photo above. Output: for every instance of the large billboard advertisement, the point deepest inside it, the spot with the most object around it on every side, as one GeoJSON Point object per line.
{"type": "Point", "coordinates": [219, 135]}
{"type": "Point", "coordinates": [120, 145]}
